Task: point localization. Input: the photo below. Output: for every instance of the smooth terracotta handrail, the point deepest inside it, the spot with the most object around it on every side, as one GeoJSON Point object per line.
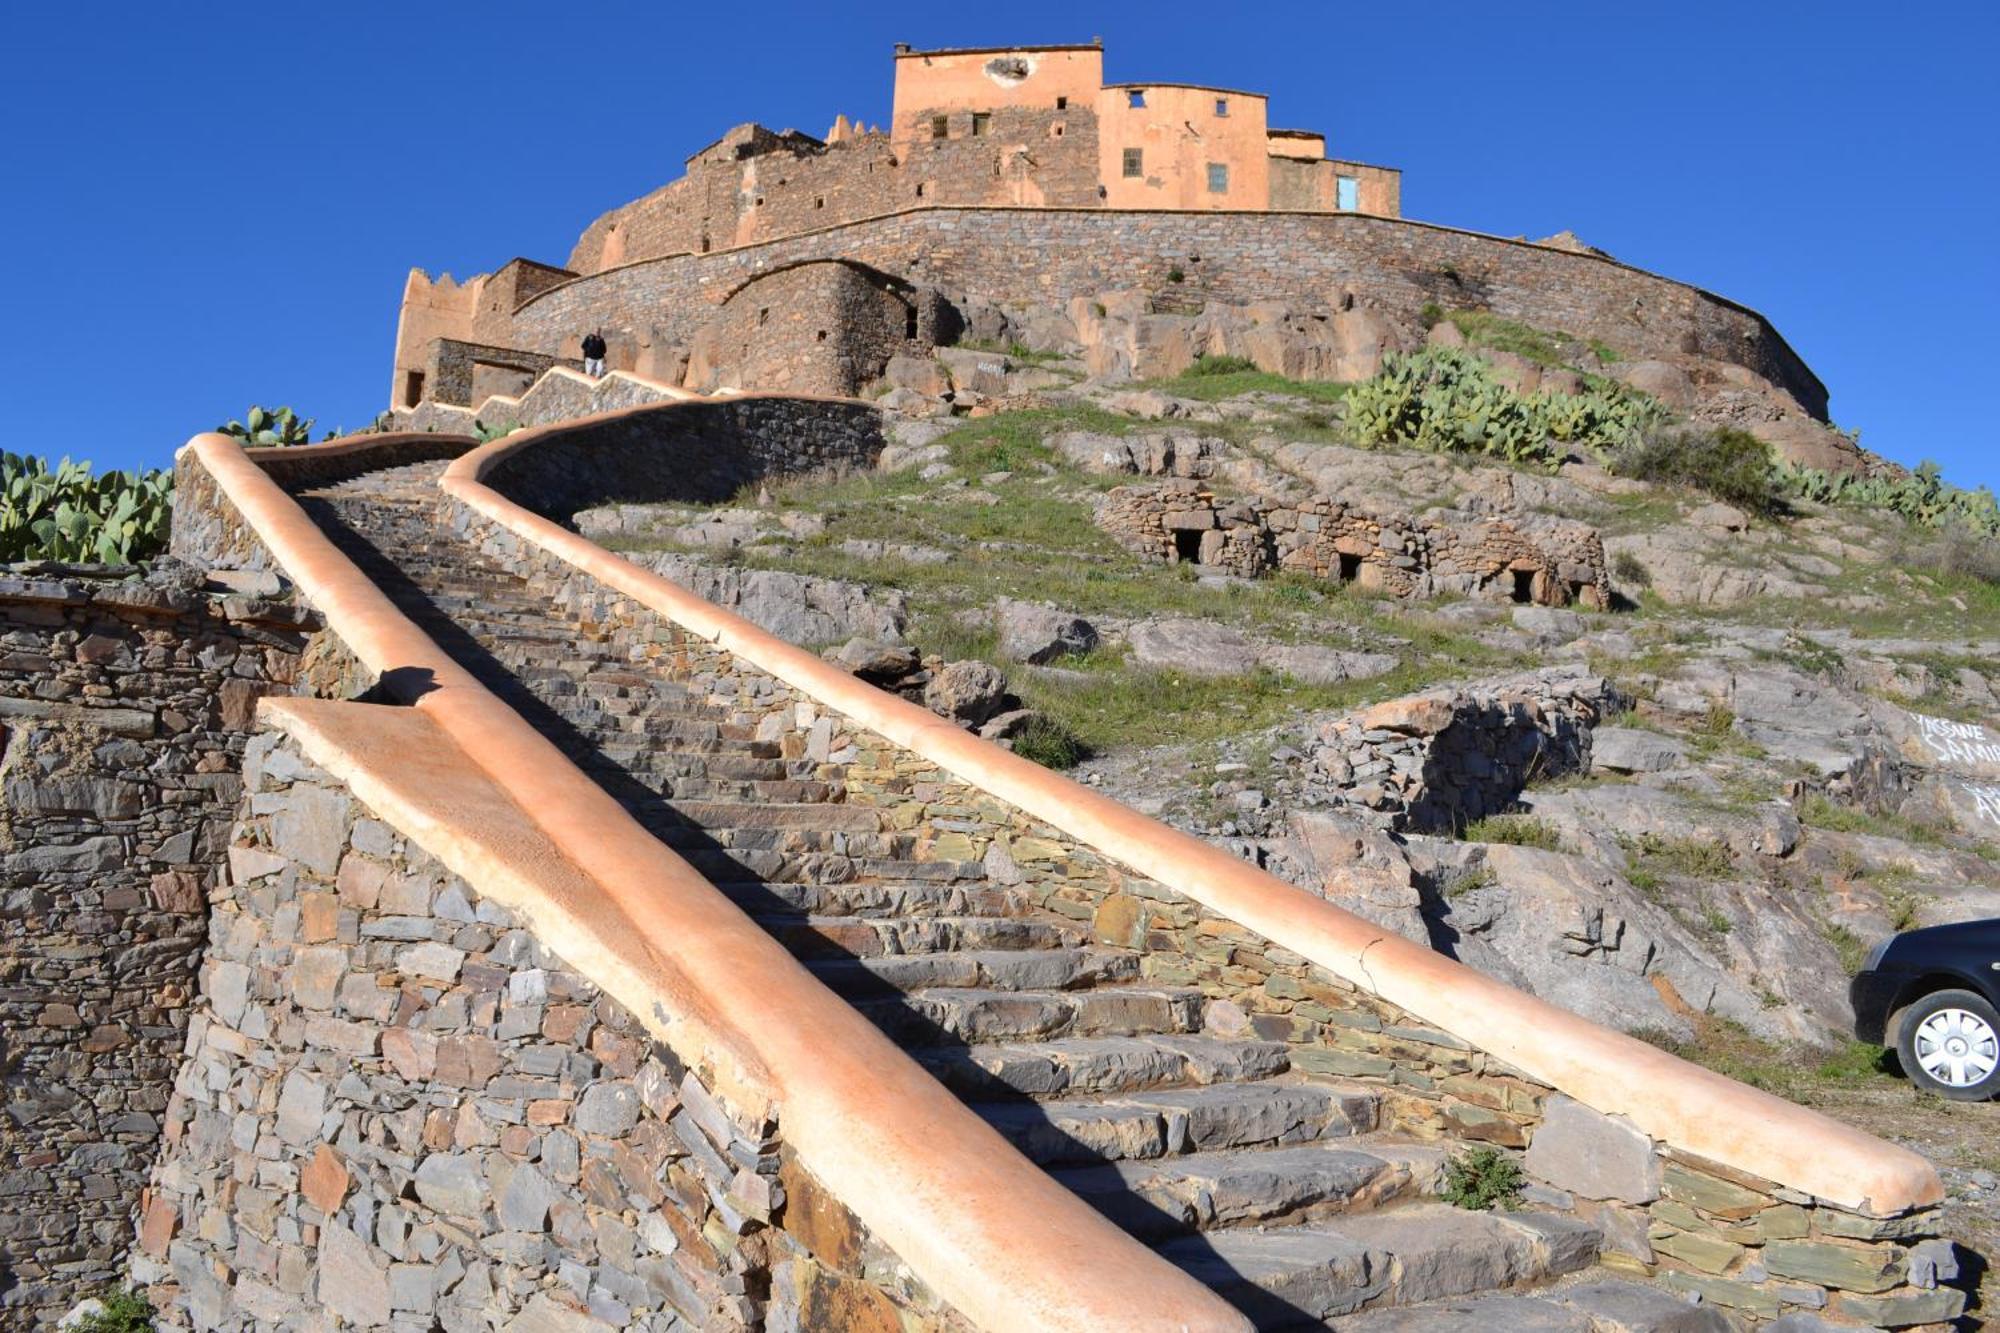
{"type": "Point", "coordinates": [983, 1227]}
{"type": "Point", "coordinates": [1678, 1103]}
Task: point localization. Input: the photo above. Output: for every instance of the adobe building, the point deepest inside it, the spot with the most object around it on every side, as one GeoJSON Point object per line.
{"type": "Point", "coordinates": [1013, 188]}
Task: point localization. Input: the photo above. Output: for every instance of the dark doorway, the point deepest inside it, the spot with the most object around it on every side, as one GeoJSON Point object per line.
{"type": "Point", "coordinates": [1187, 544]}
{"type": "Point", "coordinates": [1524, 585]}
{"type": "Point", "coordinates": [1350, 567]}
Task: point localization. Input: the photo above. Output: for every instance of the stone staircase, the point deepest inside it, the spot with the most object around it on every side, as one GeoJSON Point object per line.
{"type": "Point", "coordinates": [1280, 1190]}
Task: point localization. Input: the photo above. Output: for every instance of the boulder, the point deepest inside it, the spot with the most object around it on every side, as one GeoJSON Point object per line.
{"type": "Point", "coordinates": [1630, 750]}
{"type": "Point", "coordinates": [1662, 379]}
{"type": "Point", "coordinates": [1592, 1154]}
{"type": "Point", "coordinates": [981, 372]}
{"type": "Point", "coordinates": [1198, 647]}
{"type": "Point", "coordinates": [920, 374]}
{"type": "Point", "coordinates": [875, 662]}
{"type": "Point", "coordinates": [1549, 625]}
{"type": "Point", "coordinates": [1037, 633]}
{"type": "Point", "coordinates": [798, 608]}
{"type": "Point", "coordinates": [968, 693]}
{"type": "Point", "coordinates": [1314, 665]}
{"type": "Point", "coordinates": [1803, 442]}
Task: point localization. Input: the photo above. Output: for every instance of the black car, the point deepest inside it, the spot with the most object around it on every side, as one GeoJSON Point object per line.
{"type": "Point", "coordinates": [1934, 994]}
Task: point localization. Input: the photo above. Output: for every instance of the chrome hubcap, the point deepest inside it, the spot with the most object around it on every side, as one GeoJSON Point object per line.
{"type": "Point", "coordinates": [1957, 1048]}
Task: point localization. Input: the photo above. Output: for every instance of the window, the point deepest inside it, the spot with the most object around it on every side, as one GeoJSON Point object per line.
{"type": "Point", "coordinates": [413, 388]}
{"type": "Point", "coordinates": [763, 317]}
{"type": "Point", "coordinates": [920, 189]}
{"type": "Point", "coordinates": [1218, 178]}
{"type": "Point", "coordinates": [1136, 98]}
{"type": "Point", "coordinates": [940, 127]}
{"type": "Point", "coordinates": [1055, 131]}
{"type": "Point", "coordinates": [819, 201]}
{"type": "Point", "coordinates": [1346, 193]}
{"type": "Point", "coordinates": [1221, 106]}
{"type": "Point", "coordinates": [1062, 104]}
{"type": "Point", "coordinates": [1135, 162]}
{"type": "Point", "coordinates": [981, 122]}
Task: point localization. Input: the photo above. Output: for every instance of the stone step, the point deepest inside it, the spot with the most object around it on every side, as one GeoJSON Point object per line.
{"type": "Point", "coordinates": [973, 1015]}
{"type": "Point", "coordinates": [1100, 1064]}
{"type": "Point", "coordinates": [802, 865]}
{"type": "Point", "coordinates": [874, 897]}
{"type": "Point", "coordinates": [1294, 1277]}
{"type": "Point", "coordinates": [1204, 1191]}
{"type": "Point", "coordinates": [670, 826]}
{"type": "Point", "coordinates": [987, 969]}
{"type": "Point", "coordinates": [1140, 1126]}
{"type": "Point", "coordinates": [671, 763]}
{"type": "Point", "coordinates": [712, 815]}
{"type": "Point", "coordinates": [875, 936]}
{"type": "Point", "coordinates": [1599, 1305]}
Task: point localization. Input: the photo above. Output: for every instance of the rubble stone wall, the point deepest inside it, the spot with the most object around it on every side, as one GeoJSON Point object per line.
{"type": "Point", "coordinates": [1044, 257]}
{"type": "Point", "coordinates": [399, 1108]}
{"type": "Point", "coordinates": [124, 709]}
{"type": "Point", "coordinates": [1749, 1245]}
{"type": "Point", "coordinates": [1527, 558]}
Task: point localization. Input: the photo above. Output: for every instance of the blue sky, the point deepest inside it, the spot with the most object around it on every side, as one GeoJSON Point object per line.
{"type": "Point", "coordinates": [212, 205]}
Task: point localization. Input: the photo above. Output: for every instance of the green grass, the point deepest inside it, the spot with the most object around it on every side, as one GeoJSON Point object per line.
{"type": "Point", "coordinates": [1816, 811]}
{"type": "Point", "coordinates": [1212, 379]}
{"type": "Point", "coordinates": [1794, 1071]}
{"type": "Point", "coordinates": [1481, 1178]}
{"type": "Point", "coordinates": [1013, 351]}
{"type": "Point", "coordinates": [125, 1311]}
{"type": "Point", "coordinates": [1695, 858]}
{"type": "Point", "coordinates": [1514, 831]}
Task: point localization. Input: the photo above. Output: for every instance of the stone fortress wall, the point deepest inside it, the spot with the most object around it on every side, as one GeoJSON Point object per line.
{"type": "Point", "coordinates": [125, 707]}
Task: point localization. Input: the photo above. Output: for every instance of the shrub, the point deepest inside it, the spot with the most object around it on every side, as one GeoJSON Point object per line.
{"type": "Point", "coordinates": [1049, 743]}
{"type": "Point", "coordinates": [1732, 465]}
{"type": "Point", "coordinates": [67, 514]}
{"type": "Point", "coordinates": [125, 1311]}
{"type": "Point", "coordinates": [1626, 568]}
{"type": "Point", "coordinates": [1514, 831]}
{"type": "Point", "coordinates": [1221, 365]}
{"type": "Point", "coordinates": [1482, 1178]}
{"type": "Point", "coordinates": [1923, 497]}
{"type": "Point", "coordinates": [262, 428]}
{"type": "Point", "coordinates": [1447, 400]}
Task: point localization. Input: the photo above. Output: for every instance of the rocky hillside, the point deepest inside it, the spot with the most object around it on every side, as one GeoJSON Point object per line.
{"type": "Point", "coordinates": [1687, 815]}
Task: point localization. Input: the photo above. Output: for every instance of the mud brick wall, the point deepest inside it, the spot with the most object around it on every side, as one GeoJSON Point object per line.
{"type": "Point", "coordinates": [398, 1107]}
{"type": "Point", "coordinates": [1749, 1245]}
{"type": "Point", "coordinates": [124, 709]}
{"type": "Point", "coordinates": [1550, 562]}
{"type": "Point", "coordinates": [1025, 257]}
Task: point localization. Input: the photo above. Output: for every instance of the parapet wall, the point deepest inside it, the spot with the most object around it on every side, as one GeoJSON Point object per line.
{"type": "Point", "coordinates": [124, 709]}
{"type": "Point", "coordinates": [400, 1106]}
{"type": "Point", "coordinates": [1044, 257]}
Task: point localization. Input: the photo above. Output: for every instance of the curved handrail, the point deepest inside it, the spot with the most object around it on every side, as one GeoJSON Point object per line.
{"type": "Point", "coordinates": [986, 1229]}
{"type": "Point", "coordinates": [1674, 1101]}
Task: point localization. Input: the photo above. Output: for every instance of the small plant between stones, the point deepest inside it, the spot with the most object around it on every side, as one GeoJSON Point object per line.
{"type": "Point", "coordinates": [1481, 1179]}
{"type": "Point", "coordinates": [120, 1311]}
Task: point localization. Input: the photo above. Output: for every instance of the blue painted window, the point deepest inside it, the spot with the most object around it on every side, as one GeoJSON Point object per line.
{"type": "Point", "coordinates": [1347, 194]}
{"type": "Point", "coordinates": [1218, 178]}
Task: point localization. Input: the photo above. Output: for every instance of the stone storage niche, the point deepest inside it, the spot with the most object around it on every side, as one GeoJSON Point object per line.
{"type": "Point", "coordinates": [125, 706]}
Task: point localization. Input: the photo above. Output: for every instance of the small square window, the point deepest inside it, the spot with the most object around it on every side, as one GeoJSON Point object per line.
{"type": "Point", "coordinates": [1218, 178]}
{"type": "Point", "coordinates": [1055, 131]}
{"type": "Point", "coordinates": [1135, 162]}
{"type": "Point", "coordinates": [940, 127]}
{"type": "Point", "coordinates": [1062, 104]}
{"type": "Point", "coordinates": [1136, 98]}
{"type": "Point", "coordinates": [819, 201]}
{"type": "Point", "coordinates": [981, 122]}
{"type": "Point", "coordinates": [1221, 106]}
{"type": "Point", "coordinates": [1347, 193]}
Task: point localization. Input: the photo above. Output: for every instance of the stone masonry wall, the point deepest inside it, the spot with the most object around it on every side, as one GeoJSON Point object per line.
{"type": "Point", "coordinates": [1749, 1245]}
{"type": "Point", "coordinates": [124, 709]}
{"type": "Point", "coordinates": [399, 1110]}
{"type": "Point", "coordinates": [1527, 558]}
{"type": "Point", "coordinates": [1044, 257]}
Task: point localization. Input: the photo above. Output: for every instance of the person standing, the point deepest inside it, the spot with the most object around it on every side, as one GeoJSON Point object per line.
{"type": "Point", "coordinates": [593, 353]}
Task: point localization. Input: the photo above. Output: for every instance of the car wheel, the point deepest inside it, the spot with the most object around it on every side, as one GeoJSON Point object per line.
{"type": "Point", "coordinates": [1949, 1042]}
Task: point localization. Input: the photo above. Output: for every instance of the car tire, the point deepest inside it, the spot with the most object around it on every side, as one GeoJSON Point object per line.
{"type": "Point", "coordinates": [1949, 1043]}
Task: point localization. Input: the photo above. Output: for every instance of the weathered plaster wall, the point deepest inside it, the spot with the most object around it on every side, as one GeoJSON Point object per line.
{"type": "Point", "coordinates": [124, 709]}
{"type": "Point", "coordinates": [1025, 257]}
{"type": "Point", "coordinates": [400, 1109]}
{"type": "Point", "coordinates": [1179, 132]}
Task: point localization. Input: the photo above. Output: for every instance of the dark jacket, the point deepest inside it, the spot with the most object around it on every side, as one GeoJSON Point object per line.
{"type": "Point", "coordinates": [593, 348]}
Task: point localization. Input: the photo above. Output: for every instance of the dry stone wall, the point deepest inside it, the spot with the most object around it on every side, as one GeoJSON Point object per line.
{"type": "Point", "coordinates": [1751, 1246]}
{"type": "Point", "coordinates": [1523, 558]}
{"type": "Point", "coordinates": [1031, 257]}
{"type": "Point", "coordinates": [400, 1110]}
{"type": "Point", "coordinates": [125, 706]}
